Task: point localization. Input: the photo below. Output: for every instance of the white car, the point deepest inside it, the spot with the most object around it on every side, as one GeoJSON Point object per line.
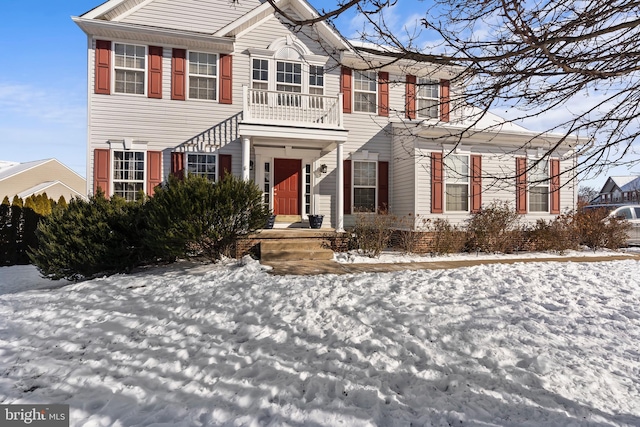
{"type": "Point", "coordinates": [629, 212]}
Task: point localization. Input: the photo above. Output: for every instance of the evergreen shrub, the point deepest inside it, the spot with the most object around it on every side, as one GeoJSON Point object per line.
{"type": "Point", "coordinates": [194, 217]}
{"type": "Point", "coordinates": [89, 238]}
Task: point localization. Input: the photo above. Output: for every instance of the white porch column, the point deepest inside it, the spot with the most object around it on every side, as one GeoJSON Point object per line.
{"type": "Point", "coordinates": [246, 152]}
{"type": "Point", "coordinates": [340, 188]}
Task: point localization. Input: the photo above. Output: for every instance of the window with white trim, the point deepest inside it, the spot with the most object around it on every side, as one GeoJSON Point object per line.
{"type": "Point", "coordinates": [428, 98]}
{"type": "Point", "coordinates": [538, 186]}
{"type": "Point", "coordinates": [128, 174]}
{"type": "Point", "coordinates": [307, 189]}
{"type": "Point", "coordinates": [203, 164]}
{"type": "Point", "coordinates": [203, 76]}
{"type": "Point", "coordinates": [316, 85]}
{"type": "Point", "coordinates": [130, 67]}
{"type": "Point", "coordinates": [365, 180]}
{"type": "Point", "coordinates": [456, 169]}
{"type": "Point", "coordinates": [365, 91]}
{"type": "Point", "coordinates": [267, 184]}
{"type": "Point", "coordinates": [260, 80]}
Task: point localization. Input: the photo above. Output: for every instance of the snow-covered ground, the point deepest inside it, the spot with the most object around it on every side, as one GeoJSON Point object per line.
{"type": "Point", "coordinates": [536, 344]}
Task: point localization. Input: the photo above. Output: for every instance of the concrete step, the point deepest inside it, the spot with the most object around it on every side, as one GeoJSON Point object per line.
{"type": "Point", "coordinates": [295, 249]}
{"type": "Point", "coordinates": [296, 255]}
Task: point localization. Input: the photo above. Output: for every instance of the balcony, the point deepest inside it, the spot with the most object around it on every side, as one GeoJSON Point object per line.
{"type": "Point", "coordinates": [268, 107]}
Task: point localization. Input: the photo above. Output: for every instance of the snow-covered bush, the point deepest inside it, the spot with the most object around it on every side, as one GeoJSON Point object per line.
{"type": "Point", "coordinates": [194, 217]}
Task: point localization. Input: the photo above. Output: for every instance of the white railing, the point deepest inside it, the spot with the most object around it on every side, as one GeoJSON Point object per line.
{"type": "Point", "coordinates": [290, 108]}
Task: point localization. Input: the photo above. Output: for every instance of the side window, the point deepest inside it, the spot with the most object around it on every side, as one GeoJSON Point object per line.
{"type": "Point", "coordinates": [457, 182]}
{"type": "Point", "coordinates": [637, 212]}
{"type": "Point", "coordinates": [128, 173]}
{"type": "Point", "coordinates": [203, 75]}
{"type": "Point", "coordinates": [365, 93]}
{"type": "Point", "coordinates": [364, 186]}
{"type": "Point", "coordinates": [202, 164]}
{"type": "Point", "coordinates": [130, 67]}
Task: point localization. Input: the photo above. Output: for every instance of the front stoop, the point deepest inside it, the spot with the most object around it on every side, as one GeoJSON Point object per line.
{"type": "Point", "coordinates": [292, 244]}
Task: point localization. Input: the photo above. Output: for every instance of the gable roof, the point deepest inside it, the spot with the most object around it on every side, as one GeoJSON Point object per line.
{"type": "Point", "coordinates": [16, 168]}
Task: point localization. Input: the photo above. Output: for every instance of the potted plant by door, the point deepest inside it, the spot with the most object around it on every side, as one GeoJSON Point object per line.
{"type": "Point", "coordinates": [315, 221]}
{"type": "Point", "coordinates": [270, 221]}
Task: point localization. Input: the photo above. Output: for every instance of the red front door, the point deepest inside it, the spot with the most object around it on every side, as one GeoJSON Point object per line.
{"type": "Point", "coordinates": [286, 189]}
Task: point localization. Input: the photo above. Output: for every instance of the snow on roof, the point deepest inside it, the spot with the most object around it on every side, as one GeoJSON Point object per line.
{"type": "Point", "coordinates": [621, 181]}
{"type": "Point", "coordinates": [632, 185]}
{"type": "Point", "coordinates": [15, 168]}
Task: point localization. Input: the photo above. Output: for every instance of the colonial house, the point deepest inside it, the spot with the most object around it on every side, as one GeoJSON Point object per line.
{"type": "Point", "coordinates": [321, 124]}
{"type": "Point", "coordinates": [620, 189]}
{"type": "Point", "coordinates": [38, 177]}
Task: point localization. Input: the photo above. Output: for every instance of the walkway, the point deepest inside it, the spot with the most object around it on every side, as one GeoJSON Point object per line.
{"type": "Point", "coordinates": [310, 268]}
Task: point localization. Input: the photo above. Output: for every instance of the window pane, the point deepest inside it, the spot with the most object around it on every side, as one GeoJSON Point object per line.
{"type": "Point", "coordinates": [539, 199]}
{"type": "Point", "coordinates": [202, 164]}
{"type": "Point", "coordinates": [364, 199]}
{"type": "Point", "coordinates": [365, 102]}
{"type": "Point", "coordinates": [538, 172]}
{"type": "Point", "coordinates": [457, 197]}
{"type": "Point", "coordinates": [202, 88]}
{"type": "Point", "coordinates": [364, 173]}
{"type": "Point", "coordinates": [457, 168]}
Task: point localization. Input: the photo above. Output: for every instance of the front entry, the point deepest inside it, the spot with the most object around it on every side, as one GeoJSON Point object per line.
{"type": "Point", "coordinates": [286, 189]}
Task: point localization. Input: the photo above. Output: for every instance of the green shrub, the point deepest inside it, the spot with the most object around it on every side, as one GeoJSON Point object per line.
{"type": "Point", "coordinates": [372, 233]}
{"type": "Point", "coordinates": [495, 228]}
{"type": "Point", "coordinates": [193, 217]}
{"type": "Point", "coordinates": [88, 238]}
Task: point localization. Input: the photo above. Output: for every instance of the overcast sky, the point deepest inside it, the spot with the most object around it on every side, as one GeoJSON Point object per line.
{"type": "Point", "coordinates": [43, 79]}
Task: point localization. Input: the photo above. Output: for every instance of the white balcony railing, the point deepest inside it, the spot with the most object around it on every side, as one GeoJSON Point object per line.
{"type": "Point", "coordinates": [291, 109]}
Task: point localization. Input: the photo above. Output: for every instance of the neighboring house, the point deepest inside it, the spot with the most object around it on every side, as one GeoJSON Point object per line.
{"type": "Point", "coordinates": [620, 189]}
{"type": "Point", "coordinates": [40, 176]}
{"type": "Point", "coordinates": [210, 86]}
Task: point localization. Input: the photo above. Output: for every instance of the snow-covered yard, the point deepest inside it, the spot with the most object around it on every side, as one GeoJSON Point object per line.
{"type": "Point", "coordinates": [553, 344]}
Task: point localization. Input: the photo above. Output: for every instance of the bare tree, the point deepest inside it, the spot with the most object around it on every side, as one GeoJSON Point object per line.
{"type": "Point", "coordinates": [586, 194]}
{"type": "Point", "coordinates": [573, 65]}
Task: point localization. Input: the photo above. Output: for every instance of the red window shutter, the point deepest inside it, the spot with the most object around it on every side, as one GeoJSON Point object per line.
{"type": "Point", "coordinates": [101, 175]}
{"type": "Point", "coordinates": [437, 185]}
{"type": "Point", "coordinates": [345, 88]}
{"type": "Point", "coordinates": [179, 74]}
{"type": "Point", "coordinates": [224, 166]}
{"type": "Point", "coordinates": [476, 183]}
{"type": "Point", "coordinates": [554, 170]}
{"type": "Point", "coordinates": [383, 186]}
{"type": "Point", "coordinates": [177, 165]}
{"type": "Point", "coordinates": [521, 185]}
{"type": "Point", "coordinates": [103, 67]}
{"type": "Point", "coordinates": [383, 93]}
{"type": "Point", "coordinates": [410, 97]}
{"type": "Point", "coordinates": [155, 72]}
{"type": "Point", "coordinates": [226, 79]}
{"type": "Point", "coordinates": [346, 188]}
{"type": "Point", "coordinates": [154, 170]}
{"type": "Point", "coordinates": [444, 100]}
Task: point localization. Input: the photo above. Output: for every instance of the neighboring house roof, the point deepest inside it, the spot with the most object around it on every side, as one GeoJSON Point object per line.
{"type": "Point", "coordinates": [623, 181]}
{"type": "Point", "coordinates": [35, 177]}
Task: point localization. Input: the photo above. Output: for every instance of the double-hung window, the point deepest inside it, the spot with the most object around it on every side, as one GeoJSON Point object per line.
{"type": "Point", "coordinates": [365, 94]}
{"type": "Point", "coordinates": [128, 173]}
{"type": "Point", "coordinates": [260, 80]}
{"type": "Point", "coordinates": [364, 186]}
{"type": "Point", "coordinates": [289, 79]}
{"type": "Point", "coordinates": [203, 75]}
{"type": "Point", "coordinates": [316, 85]}
{"type": "Point", "coordinates": [202, 164]}
{"type": "Point", "coordinates": [538, 186]}
{"type": "Point", "coordinates": [456, 169]}
{"type": "Point", "coordinates": [428, 98]}
{"type": "Point", "coordinates": [130, 68]}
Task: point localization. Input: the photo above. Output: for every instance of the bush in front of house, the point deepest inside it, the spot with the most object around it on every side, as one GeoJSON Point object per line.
{"type": "Point", "coordinates": [372, 233]}
{"type": "Point", "coordinates": [557, 235]}
{"type": "Point", "coordinates": [597, 230]}
{"type": "Point", "coordinates": [98, 236]}
{"type": "Point", "coordinates": [193, 217]}
{"type": "Point", "coordinates": [494, 229]}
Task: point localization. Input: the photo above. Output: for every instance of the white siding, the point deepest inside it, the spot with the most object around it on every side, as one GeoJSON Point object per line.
{"type": "Point", "coordinates": [200, 16]}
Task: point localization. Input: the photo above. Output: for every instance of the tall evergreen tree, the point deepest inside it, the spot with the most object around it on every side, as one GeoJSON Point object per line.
{"type": "Point", "coordinates": [6, 238]}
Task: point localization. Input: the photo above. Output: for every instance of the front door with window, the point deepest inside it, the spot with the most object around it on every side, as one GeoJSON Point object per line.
{"type": "Point", "coordinates": [286, 189]}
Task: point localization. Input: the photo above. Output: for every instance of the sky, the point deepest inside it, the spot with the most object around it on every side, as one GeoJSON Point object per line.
{"type": "Point", "coordinates": [43, 93]}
